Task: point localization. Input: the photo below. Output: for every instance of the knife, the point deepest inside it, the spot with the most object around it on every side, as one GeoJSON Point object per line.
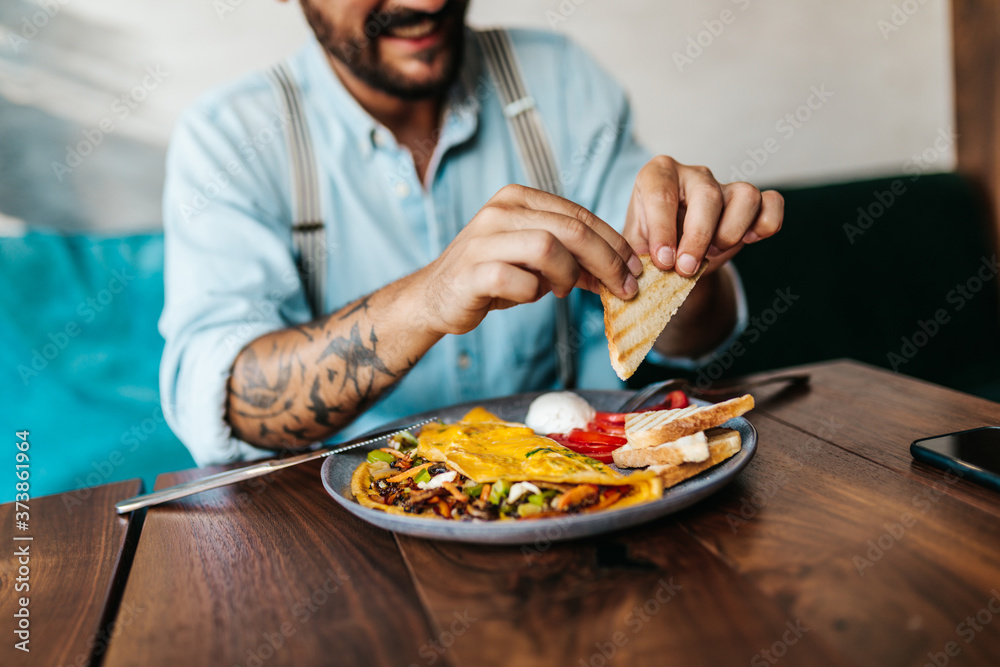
{"type": "Point", "coordinates": [251, 471]}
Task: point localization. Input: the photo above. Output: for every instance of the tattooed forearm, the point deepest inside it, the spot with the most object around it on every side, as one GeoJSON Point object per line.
{"type": "Point", "coordinates": [300, 385]}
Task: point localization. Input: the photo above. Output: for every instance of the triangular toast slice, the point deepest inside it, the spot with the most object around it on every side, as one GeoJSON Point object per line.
{"type": "Point", "coordinates": [633, 326]}
{"type": "Point", "coordinates": [650, 429]}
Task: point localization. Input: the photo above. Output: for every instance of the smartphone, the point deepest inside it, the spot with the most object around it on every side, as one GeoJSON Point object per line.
{"type": "Point", "coordinates": [973, 455]}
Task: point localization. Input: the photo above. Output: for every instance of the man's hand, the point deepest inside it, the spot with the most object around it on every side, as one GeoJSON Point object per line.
{"type": "Point", "coordinates": [680, 214]}
{"type": "Point", "coordinates": [521, 245]}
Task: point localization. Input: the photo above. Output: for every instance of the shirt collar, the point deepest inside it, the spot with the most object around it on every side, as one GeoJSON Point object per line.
{"type": "Point", "coordinates": [462, 106]}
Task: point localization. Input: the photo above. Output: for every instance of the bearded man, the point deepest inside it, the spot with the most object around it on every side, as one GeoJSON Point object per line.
{"type": "Point", "coordinates": [395, 218]}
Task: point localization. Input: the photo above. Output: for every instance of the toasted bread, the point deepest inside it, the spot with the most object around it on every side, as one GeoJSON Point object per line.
{"type": "Point", "coordinates": [722, 444]}
{"type": "Point", "coordinates": [650, 429]}
{"type": "Point", "coordinates": [690, 448]}
{"type": "Point", "coordinates": [632, 326]}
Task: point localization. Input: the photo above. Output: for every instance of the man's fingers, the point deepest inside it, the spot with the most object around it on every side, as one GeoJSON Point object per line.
{"type": "Point", "coordinates": [769, 219]}
{"type": "Point", "coordinates": [742, 206]}
{"type": "Point", "coordinates": [590, 250]}
{"type": "Point", "coordinates": [506, 282]}
{"type": "Point", "coordinates": [704, 199]}
{"type": "Point", "coordinates": [532, 199]}
{"type": "Point", "coordinates": [656, 200]}
{"type": "Point", "coordinates": [536, 250]}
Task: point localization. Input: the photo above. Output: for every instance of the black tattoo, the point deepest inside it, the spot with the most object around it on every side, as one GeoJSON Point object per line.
{"type": "Point", "coordinates": [252, 386]}
{"type": "Point", "coordinates": [359, 306]}
{"type": "Point", "coordinates": [319, 408]}
{"type": "Point", "coordinates": [299, 434]}
{"type": "Point", "coordinates": [315, 326]}
{"type": "Point", "coordinates": [356, 356]}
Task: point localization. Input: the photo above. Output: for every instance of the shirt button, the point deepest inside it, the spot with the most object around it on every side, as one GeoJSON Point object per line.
{"type": "Point", "coordinates": [380, 139]}
{"type": "Point", "coordinates": [402, 190]}
{"type": "Point", "coordinates": [464, 360]}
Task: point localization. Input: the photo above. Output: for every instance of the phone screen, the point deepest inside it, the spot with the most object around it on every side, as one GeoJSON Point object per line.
{"type": "Point", "coordinates": [974, 454]}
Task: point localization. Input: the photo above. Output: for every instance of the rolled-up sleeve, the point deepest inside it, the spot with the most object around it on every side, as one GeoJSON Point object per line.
{"type": "Point", "coordinates": [230, 274]}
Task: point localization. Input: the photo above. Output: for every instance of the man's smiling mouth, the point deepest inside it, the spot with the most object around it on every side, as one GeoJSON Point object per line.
{"type": "Point", "coordinates": [417, 30]}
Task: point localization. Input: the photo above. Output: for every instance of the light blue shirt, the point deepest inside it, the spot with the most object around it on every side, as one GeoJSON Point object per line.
{"type": "Point", "coordinates": [230, 271]}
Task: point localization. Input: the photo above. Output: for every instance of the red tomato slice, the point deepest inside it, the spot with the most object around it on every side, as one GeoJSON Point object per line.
{"type": "Point", "coordinates": [606, 427]}
{"type": "Point", "coordinates": [579, 436]}
{"type": "Point", "coordinates": [677, 399]}
{"type": "Point", "coordinates": [610, 417]}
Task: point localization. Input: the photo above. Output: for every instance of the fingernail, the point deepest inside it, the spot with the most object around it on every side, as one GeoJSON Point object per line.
{"type": "Point", "coordinates": [631, 286]}
{"type": "Point", "coordinates": [713, 251]}
{"type": "Point", "coordinates": [635, 265]}
{"type": "Point", "coordinates": [687, 264]}
{"type": "Point", "coordinates": [666, 256]}
{"type": "Point", "coordinates": [750, 237]}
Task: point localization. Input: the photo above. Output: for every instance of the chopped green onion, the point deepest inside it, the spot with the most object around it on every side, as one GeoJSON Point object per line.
{"type": "Point", "coordinates": [499, 491]}
{"type": "Point", "coordinates": [474, 491]}
{"type": "Point", "coordinates": [406, 441]}
{"type": "Point", "coordinates": [527, 509]}
{"type": "Point", "coordinates": [536, 499]}
{"type": "Point", "coordinates": [378, 455]}
{"type": "Point", "coordinates": [422, 476]}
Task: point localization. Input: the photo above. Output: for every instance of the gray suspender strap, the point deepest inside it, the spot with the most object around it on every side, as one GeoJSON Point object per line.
{"type": "Point", "coordinates": [308, 235]}
{"type": "Point", "coordinates": [539, 161]}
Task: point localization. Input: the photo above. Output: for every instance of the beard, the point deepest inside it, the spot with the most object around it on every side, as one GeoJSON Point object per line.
{"type": "Point", "coordinates": [358, 48]}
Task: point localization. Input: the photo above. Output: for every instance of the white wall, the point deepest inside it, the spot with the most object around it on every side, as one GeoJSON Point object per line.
{"type": "Point", "coordinates": [891, 91]}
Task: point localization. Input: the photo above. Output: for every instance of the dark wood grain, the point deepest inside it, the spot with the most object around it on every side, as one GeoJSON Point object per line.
{"type": "Point", "coordinates": [976, 50]}
{"type": "Point", "coordinates": [880, 564]}
{"type": "Point", "coordinates": [647, 596]}
{"type": "Point", "coordinates": [226, 578]}
{"type": "Point", "coordinates": [79, 557]}
{"type": "Point", "coordinates": [877, 414]}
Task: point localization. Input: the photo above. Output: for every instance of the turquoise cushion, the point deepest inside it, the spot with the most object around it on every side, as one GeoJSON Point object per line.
{"type": "Point", "coordinates": [80, 352]}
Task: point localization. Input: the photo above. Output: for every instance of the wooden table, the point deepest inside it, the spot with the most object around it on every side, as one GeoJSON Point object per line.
{"type": "Point", "coordinates": [832, 548]}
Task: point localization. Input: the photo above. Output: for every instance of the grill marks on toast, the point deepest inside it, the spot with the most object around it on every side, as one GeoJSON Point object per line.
{"type": "Point", "coordinates": [650, 429]}
{"type": "Point", "coordinates": [632, 326]}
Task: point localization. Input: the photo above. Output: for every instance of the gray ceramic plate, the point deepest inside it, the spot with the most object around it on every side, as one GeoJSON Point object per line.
{"type": "Point", "coordinates": [337, 471]}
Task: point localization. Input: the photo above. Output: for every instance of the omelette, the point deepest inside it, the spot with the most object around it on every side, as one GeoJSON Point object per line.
{"type": "Point", "coordinates": [484, 468]}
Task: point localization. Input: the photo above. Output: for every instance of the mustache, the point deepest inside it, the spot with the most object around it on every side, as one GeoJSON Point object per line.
{"type": "Point", "coordinates": [403, 17]}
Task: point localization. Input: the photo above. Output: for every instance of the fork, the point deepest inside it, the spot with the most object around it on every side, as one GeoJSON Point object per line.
{"type": "Point", "coordinates": [639, 398]}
